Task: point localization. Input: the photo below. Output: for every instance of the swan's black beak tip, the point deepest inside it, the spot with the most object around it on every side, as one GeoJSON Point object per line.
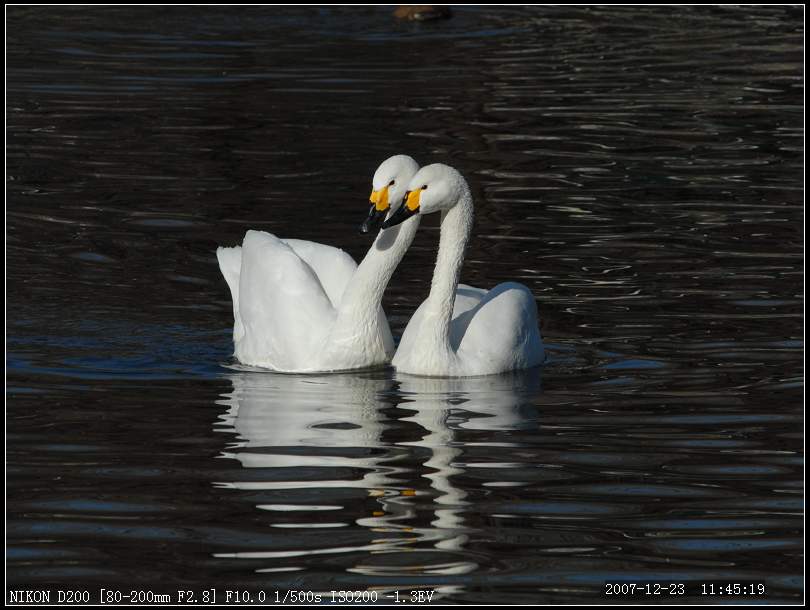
{"type": "Point", "coordinates": [402, 214]}
{"type": "Point", "coordinates": [373, 220]}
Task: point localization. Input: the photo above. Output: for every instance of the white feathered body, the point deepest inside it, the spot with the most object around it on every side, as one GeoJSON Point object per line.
{"type": "Point", "coordinates": [490, 332]}
{"type": "Point", "coordinates": [286, 304]}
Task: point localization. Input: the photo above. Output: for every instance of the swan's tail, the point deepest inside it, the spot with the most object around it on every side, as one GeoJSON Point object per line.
{"type": "Point", "coordinates": [230, 263]}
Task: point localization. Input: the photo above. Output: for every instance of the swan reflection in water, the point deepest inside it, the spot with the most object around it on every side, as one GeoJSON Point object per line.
{"type": "Point", "coordinates": [371, 453]}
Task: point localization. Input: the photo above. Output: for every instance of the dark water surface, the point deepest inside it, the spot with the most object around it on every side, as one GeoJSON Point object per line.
{"type": "Point", "coordinates": [640, 169]}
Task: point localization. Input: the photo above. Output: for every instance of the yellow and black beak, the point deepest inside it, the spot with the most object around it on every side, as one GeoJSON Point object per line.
{"type": "Point", "coordinates": [379, 208]}
{"type": "Point", "coordinates": [409, 207]}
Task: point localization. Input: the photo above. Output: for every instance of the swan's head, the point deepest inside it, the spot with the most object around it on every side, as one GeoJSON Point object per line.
{"type": "Point", "coordinates": [389, 185]}
{"type": "Point", "coordinates": [434, 188]}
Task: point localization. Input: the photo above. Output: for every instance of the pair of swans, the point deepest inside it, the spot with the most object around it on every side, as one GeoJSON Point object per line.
{"type": "Point", "coordinates": [305, 307]}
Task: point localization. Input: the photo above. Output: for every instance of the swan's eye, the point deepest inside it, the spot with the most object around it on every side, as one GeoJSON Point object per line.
{"type": "Point", "coordinates": [391, 183]}
{"type": "Point", "coordinates": [424, 187]}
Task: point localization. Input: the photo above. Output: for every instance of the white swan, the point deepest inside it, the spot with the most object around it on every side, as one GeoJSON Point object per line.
{"type": "Point", "coordinates": [472, 331]}
{"type": "Point", "coordinates": [300, 306]}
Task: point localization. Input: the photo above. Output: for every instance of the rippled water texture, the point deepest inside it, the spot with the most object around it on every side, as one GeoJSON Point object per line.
{"type": "Point", "coordinates": [640, 169]}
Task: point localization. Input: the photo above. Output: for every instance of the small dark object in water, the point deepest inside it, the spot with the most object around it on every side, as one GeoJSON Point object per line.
{"type": "Point", "coordinates": [422, 13]}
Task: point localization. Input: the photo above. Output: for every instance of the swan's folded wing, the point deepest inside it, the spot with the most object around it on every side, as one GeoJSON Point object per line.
{"type": "Point", "coordinates": [283, 305]}
{"type": "Point", "coordinates": [230, 262]}
{"type": "Point", "coordinates": [333, 266]}
{"type": "Point", "coordinates": [502, 331]}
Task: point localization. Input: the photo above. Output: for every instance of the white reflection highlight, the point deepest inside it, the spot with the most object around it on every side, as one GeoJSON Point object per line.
{"type": "Point", "coordinates": [274, 414]}
{"type": "Point", "coordinates": [305, 427]}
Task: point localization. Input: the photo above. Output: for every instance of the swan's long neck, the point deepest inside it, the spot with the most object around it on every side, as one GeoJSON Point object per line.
{"type": "Point", "coordinates": [361, 299]}
{"type": "Point", "coordinates": [455, 233]}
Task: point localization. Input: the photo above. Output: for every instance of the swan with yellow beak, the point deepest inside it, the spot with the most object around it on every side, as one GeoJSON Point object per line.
{"type": "Point", "coordinates": [459, 330]}
{"type": "Point", "coordinates": [304, 307]}
{"type": "Point", "coordinates": [389, 184]}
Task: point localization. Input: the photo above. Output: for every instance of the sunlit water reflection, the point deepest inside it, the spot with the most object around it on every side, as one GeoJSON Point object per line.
{"type": "Point", "coordinates": [335, 425]}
